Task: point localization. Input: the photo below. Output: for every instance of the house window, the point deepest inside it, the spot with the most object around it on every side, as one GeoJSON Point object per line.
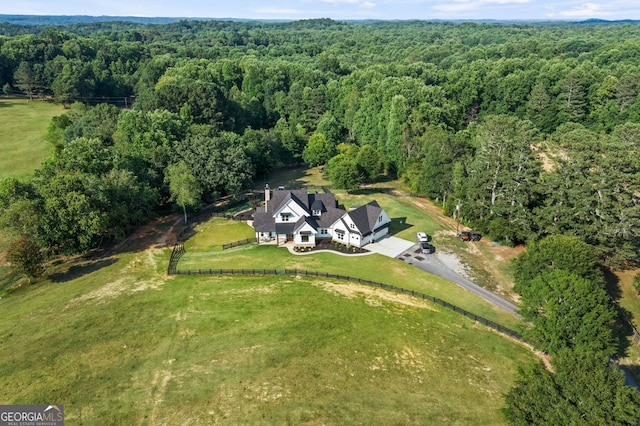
{"type": "Point", "coordinates": [304, 238]}
{"type": "Point", "coordinates": [324, 232]}
{"type": "Point", "coordinates": [285, 217]}
{"type": "Point", "coordinates": [352, 226]}
{"type": "Point", "coordinates": [340, 235]}
{"type": "Point", "coordinates": [380, 219]}
{"type": "Point", "coordinates": [317, 212]}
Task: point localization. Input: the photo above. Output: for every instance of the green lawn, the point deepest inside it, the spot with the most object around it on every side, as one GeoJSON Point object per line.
{"type": "Point", "coordinates": [373, 267]}
{"type": "Point", "coordinates": [118, 342]}
{"type": "Point", "coordinates": [22, 127]}
{"type": "Point", "coordinates": [211, 235]}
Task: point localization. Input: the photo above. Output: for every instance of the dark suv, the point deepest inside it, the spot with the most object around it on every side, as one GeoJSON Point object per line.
{"type": "Point", "coordinates": [469, 236]}
{"type": "Point", "coordinates": [426, 248]}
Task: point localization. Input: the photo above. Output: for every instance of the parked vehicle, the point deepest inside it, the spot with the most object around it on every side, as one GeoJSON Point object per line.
{"type": "Point", "coordinates": [469, 236]}
{"type": "Point", "coordinates": [426, 248]}
{"type": "Point", "coordinates": [423, 237]}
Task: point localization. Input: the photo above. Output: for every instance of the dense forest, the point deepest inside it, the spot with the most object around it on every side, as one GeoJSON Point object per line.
{"type": "Point", "coordinates": [529, 133]}
{"type": "Point", "coordinates": [522, 131]}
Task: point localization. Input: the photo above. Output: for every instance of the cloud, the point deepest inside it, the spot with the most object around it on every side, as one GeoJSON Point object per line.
{"type": "Point", "coordinates": [458, 6]}
{"type": "Point", "coordinates": [360, 3]}
{"type": "Point", "coordinates": [278, 11]}
{"type": "Point", "coordinates": [585, 10]}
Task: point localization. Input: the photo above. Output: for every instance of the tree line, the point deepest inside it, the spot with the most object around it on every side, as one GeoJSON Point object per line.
{"type": "Point", "coordinates": [529, 133]}
{"type": "Point", "coordinates": [571, 318]}
{"type": "Point", "coordinates": [522, 131]}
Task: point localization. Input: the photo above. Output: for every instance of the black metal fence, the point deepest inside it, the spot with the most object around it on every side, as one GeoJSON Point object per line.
{"type": "Point", "coordinates": [297, 272]}
{"type": "Point", "coordinates": [176, 254]}
{"type": "Point", "coordinates": [238, 243]}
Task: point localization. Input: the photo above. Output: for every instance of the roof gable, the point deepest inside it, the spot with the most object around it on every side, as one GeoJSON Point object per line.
{"type": "Point", "coordinates": [365, 217]}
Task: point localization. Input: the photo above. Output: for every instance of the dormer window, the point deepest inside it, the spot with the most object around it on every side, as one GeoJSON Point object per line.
{"type": "Point", "coordinates": [317, 213]}
{"type": "Point", "coordinates": [285, 217]}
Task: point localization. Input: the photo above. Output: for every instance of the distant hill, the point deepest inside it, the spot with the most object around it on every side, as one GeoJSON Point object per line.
{"type": "Point", "coordinates": [33, 20]}
{"type": "Point", "coordinates": [86, 19]}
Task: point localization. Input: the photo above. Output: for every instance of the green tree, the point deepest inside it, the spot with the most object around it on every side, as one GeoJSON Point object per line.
{"type": "Point", "coordinates": [26, 257]}
{"type": "Point", "coordinates": [219, 163]}
{"type": "Point", "coordinates": [568, 312]}
{"type": "Point", "coordinates": [557, 252]}
{"type": "Point", "coordinates": [502, 178]}
{"type": "Point", "coordinates": [145, 142]}
{"type": "Point", "coordinates": [369, 162]}
{"type": "Point", "coordinates": [330, 128]}
{"type": "Point", "coordinates": [26, 79]}
{"type": "Point", "coordinates": [342, 171]}
{"type": "Point", "coordinates": [184, 188]}
{"type": "Point", "coordinates": [73, 214]}
{"type": "Point", "coordinates": [19, 212]}
{"type": "Point", "coordinates": [584, 389]}
{"type": "Point", "coordinates": [319, 150]}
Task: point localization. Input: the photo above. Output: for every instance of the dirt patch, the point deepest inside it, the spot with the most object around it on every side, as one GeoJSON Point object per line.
{"type": "Point", "coordinates": [127, 283]}
{"type": "Point", "coordinates": [451, 261]}
{"type": "Point", "coordinates": [3, 259]}
{"type": "Point", "coordinates": [161, 232]}
{"type": "Point", "coordinates": [374, 296]}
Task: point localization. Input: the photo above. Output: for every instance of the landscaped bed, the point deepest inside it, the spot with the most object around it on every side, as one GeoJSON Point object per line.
{"type": "Point", "coordinates": [326, 244]}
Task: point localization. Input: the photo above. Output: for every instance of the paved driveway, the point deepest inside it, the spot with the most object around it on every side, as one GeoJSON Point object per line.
{"type": "Point", "coordinates": [390, 246]}
{"type": "Point", "coordinates": [441, 266]}
{"type": "Point", "coordinates": [433, 263]}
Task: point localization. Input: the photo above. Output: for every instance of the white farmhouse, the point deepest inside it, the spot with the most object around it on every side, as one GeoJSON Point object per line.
{"type": "Point", "coordinates": [302, 217]}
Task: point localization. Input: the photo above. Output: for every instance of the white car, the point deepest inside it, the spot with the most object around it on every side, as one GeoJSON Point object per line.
{"type": "Point", "coordinates": [422, 237]}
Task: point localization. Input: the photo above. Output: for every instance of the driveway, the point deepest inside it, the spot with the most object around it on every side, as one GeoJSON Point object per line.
{"type": "Point", "coordinates": [444, 265]}
{"type": "Point", "coordinates": [390, 246]}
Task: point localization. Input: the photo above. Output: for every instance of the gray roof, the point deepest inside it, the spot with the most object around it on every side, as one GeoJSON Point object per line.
{"type": "Point", "coordinates": [306, 219]}
{"type": "Point", "coordinates": [280, 198]}
{"type": "Point", "coordinates": [284, 228]}
{"type": "Point", "coordinates": [263, 220]}
{"type": "Point", "coordinates": [365, 217]}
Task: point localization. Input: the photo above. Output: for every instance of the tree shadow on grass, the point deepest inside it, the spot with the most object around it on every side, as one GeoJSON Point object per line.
{"type": "Point", "coordinates": [612, 284]}
{"type": "Point", "coordinates": [291, 177]}
{"type": "Point", "coordinates": [370, 191]}
{"type": "Point", "coordinates": [77, 271]}
{"type": "Point", "coordinates": [624, 331]}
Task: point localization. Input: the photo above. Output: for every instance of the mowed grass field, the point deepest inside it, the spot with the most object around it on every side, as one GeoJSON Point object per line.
{"type": "Point", "coordinates": [119, 342]}
{"type": "Point", "coordinates": [22, 128]}
{"type": "Point", "coordinates": [23, 147]}
{"type": "Point", "coordinates": [204, 251]}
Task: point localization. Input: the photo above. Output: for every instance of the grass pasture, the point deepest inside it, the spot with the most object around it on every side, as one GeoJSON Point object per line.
{"type": "Point", "coordinates": [125, 344]}
{"type": "Point", "coordinates": [23, 124]}
{"type": "Point", "coordinates": [22, 127]}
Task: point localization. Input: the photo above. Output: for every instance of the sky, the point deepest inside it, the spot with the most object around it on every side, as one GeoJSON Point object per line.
{"type": "Point", "coordinates": [574, 10]}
